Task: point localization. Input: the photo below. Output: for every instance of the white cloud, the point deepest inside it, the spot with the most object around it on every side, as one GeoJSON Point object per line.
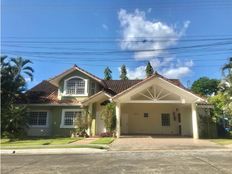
{"type": "Point", "coordinates": [150, 39]}
{"type": "Point", "coordinates": [137, 73]}
{"type": "Point", "coordinates": [176, 73]}
{"type": "Point", "coordinates": [105, 27]}
{"type": "Point", "coordinates": [138, 33]}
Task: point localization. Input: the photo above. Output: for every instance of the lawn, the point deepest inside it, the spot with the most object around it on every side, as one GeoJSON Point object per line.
{"type": "Point", "coordinates": [223, 141]}
{"type": "Point", "coordinates": [104, 140]}
{"type": "Point", "coordinates": [37, 142]}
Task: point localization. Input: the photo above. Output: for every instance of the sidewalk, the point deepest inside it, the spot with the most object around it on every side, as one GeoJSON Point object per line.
{"type": "Point", "coordinates": [52, 151]}
{"type": "Point", "coordinates": [85, 141]}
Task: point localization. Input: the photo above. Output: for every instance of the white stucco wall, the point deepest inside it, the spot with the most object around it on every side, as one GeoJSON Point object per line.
{"type": "Point", "coordinates": [138, 124]}
{"type": "Point", "coordinates": [99, 122]}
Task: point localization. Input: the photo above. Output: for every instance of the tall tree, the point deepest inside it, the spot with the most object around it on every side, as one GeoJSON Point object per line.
{"type": "Point", "coordinates": [149, 69]}
{"type": "Point", "coordinates": [21, 67]}
{"type": "Point", "coordinates": [205, 86]}
{"type": "Point", "coordinates": [226, 86]}
{"type": "Point", "coordinates": [13, 85]}
{"type": "Point", "coordinates": [107, 74]}
{"type": "Point", "coordinates": [227, 67]}
{"type": "Point", "coordinates": [123, 75]}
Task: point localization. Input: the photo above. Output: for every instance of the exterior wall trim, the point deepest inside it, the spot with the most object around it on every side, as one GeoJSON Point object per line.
{"type": "Point", "coordinates": [75, 95]}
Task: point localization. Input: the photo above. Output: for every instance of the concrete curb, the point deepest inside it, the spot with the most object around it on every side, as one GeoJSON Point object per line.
{"type": "Point", "coordinates": [171, 150]}
{"type": "Point", "coordinates": [52, 151]}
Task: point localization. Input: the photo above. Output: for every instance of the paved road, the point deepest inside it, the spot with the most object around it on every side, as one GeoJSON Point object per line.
{"type": "Point", "coordinates": [211, 161]}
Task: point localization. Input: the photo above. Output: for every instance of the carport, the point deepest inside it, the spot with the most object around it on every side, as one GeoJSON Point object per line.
{"type": "Point", "coordinates": [156, 106]}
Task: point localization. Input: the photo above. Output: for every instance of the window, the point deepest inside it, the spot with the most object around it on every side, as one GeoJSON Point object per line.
{"type": "Point", "coordinates": [145, 114]}
{"type": "Point", "coordinates": [165, 119]}
{"type": "Point", "coordinates": [93, 88]}
{"type": "Point", "coordinates": [38, 119]}
{"type": "Point", "coordinates": [69, 117]}
{"type": "Point", "coordinates": [76, 86]}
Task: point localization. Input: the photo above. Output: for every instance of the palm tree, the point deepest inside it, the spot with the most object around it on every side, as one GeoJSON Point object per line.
{"type": "Point", "coordinates": [21, 68]}
{"type": "Point", "coordinates": [227, 67]}
{"type": "Point", "coordinates": [226, 85]}
{"type": "Point", "coordinates": [3, 62]}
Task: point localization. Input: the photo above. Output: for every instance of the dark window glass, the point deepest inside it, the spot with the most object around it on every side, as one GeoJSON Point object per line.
{"type": "Point", "coordinates": [165, 118]}
{"type": "Point", "coordinates": [38, 118]}
{"type": "Point", "coordinates": [145, 114]}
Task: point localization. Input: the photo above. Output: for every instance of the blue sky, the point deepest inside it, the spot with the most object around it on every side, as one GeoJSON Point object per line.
{"type": "Point", "coordinates": [182, 39]}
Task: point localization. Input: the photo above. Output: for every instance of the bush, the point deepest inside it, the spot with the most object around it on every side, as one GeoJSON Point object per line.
{"type": "Point", "coordinates": [222, 132]}
{"type": "Point", "coordinates": [108, 115]}
{"type": "Point", "coordinates": [106, 134]}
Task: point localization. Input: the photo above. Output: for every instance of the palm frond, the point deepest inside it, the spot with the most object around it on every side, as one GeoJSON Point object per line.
{"type": "Point", "coordinates": [29, 75]}
{"type": "Point", "coordinates": [15, 61]}
{"type": "Point", "coordinates": [228, 67]}
{"type": "Point", "coordinates": [28, 68]}
{"type": "Point", "coordinates": [26, 61]}
{"type": "Point", "coordinates": [3, 63]}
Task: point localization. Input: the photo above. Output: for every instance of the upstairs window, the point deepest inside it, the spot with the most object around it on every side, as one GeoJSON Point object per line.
{"type": "Point", "coordinates": [76, 86]}
{"type": "Point", "coordinates": [93, 88]}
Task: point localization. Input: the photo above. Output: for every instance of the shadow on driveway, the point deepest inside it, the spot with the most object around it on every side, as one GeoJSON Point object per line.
{"type": "Point", "coordinates": [144, 142]}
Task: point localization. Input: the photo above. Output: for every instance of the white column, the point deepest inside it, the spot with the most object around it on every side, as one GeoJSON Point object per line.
{"type": "Point", "coordinates": [90, 110]}
{"type": "Point", "coordinates": [118, 115]}
{"type": "Point", "coordinates": [194, 122]}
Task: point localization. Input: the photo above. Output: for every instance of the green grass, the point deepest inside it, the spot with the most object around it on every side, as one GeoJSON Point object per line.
{"type": "Point", "coordinates": [223, 141]}
{"type": "Point", "coordinates": [104, 140]}
{"type": "Point", "coordinates": [37, 142]}
{"type": "Point", "coordinates": [55, 146]}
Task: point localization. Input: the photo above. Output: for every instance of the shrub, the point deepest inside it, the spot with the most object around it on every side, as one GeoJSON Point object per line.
{"type": "Point", "coordinates": [108, 115]}
{"type": "Point", "coordinates": [106, 134]}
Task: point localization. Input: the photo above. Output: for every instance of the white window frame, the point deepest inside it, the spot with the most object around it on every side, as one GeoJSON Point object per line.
{"type": "Point", "coordinates": [63, 115]}
{"type": "Point", "coordinates": [73, 77]}
{"type": "Point", "coordinates": [47, 119]}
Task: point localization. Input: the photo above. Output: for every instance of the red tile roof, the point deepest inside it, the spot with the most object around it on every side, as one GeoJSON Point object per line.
{"type": "Point", "coordinates": [47, 93]}
{"type": "Point", "coordinates": [175, 82]}
{"type": "Point", "coordinates": [116, 86]}
{"type": "Point", "coordinates": [44, 93]}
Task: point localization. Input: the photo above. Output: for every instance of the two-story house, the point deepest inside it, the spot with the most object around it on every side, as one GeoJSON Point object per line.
{"type": "Point", "coordinates": [155, 105]}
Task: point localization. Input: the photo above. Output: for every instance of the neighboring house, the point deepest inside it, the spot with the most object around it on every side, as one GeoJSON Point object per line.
{"type": "Point", "coordinates": [155, 105]}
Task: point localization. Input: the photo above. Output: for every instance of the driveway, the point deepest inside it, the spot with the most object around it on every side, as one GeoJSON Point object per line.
{"type": "Point", "coordinates": [138, 143]}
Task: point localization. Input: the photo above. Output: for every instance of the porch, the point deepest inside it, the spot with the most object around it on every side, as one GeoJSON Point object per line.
{"type": "Point", "coordinates": [169, 119]}
{"type": "Point", "coordinates": [157, 107]}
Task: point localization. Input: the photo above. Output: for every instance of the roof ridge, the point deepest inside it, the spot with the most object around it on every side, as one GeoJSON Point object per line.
{"type": "Point", "coordinates": [123, 80]}
{"type": "Point", "coordinates": [61, 73]}
{"type": "Point", "coordinates": [75, 67]}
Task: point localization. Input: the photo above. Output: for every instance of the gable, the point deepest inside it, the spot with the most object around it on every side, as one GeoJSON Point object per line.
{"type": "Point", "coordinates": [157, 89]}
{"type": "Point", "coordinates": [156, 92]}
{"type": "Point", "coordinates": [76, 70]}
